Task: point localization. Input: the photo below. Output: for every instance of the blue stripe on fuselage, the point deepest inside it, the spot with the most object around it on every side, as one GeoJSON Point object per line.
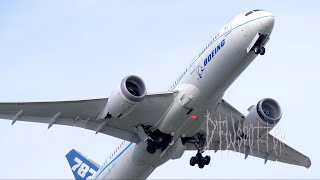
{"type": "Point", "coordinates": [228, 32]}
{"type": "Point", "coordinates": [113, 160]}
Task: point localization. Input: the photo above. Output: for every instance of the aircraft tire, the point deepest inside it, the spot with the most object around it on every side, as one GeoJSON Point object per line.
{"type": "Point", "coordinates": [257, 50]}
{"type": "Point", "coordinates": [151, 149]}
{"type": "Point", "coordinates": [262, 51]}
{"type": "Point", "coordinates": [207, 160]}
{"type": "Point", "coordinates": [193, 161]}
{"type": "Point", "coordinates": [157, 145]}
{"type": "Point", "coordinates": [201, 164]}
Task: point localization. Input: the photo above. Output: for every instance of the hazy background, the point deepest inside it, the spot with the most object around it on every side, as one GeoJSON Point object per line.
{"type": "Point", "coordinates": [74, 49]}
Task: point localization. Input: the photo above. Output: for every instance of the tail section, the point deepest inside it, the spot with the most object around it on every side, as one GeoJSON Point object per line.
{"type": "Point", "coordinates": [81, 166]}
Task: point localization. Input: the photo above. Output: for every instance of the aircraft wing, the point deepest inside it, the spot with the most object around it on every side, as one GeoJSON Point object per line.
{"type": "Point", "coordinates": [221, 127]}
{"type": "Point", "coordinates": [84, 113]}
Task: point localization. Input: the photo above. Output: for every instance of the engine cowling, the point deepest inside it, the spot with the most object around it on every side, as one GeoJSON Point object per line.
{"type": "Point", "coordinates": [262, 118]}
{"type": "Point", "coordinates": [124, 98]}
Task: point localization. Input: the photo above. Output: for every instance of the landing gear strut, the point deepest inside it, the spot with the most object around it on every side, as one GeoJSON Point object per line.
{"type": "Point", "coordinates": [199, 143]}
{"type": "Point", "coordinates": [258, 47]}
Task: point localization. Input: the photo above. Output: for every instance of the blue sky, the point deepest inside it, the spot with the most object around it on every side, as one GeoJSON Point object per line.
{"type": "Point", "coordinates": [62, 50]}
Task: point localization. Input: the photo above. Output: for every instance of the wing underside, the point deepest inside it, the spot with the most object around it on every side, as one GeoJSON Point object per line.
{"type": "Point", "coordinates": [221, 127]}
{"type": "Point", "coordinates": [84, 113]}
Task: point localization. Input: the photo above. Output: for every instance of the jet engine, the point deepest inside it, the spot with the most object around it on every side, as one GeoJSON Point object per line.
{"type": "Point", "coordinates": [124, 98]}
{"type": "Point", "coordinates": [261, 118]}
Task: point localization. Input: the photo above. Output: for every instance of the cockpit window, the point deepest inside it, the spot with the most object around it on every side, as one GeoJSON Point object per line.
{"type": "Point", "coordinates": [248, 13]}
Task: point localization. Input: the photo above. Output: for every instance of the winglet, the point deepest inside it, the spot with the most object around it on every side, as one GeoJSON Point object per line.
{"type": "Point", "coordinates": [308, 163]}
{"type": "Point", "coordinates": [81, 166]}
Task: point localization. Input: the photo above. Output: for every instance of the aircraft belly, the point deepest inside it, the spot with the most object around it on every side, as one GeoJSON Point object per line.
{"type": "Point", "coordinates": [187, 100]}
{"type": "Point", "coordinates": [135, 163]}
{"type": "Point", "coordinates": [218, 75]}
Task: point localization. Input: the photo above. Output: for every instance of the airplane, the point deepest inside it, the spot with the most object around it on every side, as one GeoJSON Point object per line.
{"type": "Point", "coordinates": [190, 116]}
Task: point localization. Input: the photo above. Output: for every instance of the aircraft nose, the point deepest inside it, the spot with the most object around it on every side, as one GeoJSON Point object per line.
{"type": "Point", "coordinates": [267, 23]}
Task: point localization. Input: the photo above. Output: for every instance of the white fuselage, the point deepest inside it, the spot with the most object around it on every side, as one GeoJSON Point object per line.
{"type": "Point", "coordinates": [200, 87]}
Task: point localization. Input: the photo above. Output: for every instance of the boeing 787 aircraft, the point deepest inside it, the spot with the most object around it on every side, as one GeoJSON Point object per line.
{"type": "Point", "coordinates": [190, 116]}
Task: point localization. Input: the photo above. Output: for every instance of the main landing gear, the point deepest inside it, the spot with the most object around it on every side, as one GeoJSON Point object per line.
{"type": "Point", "coordinates": [199, 143]}
{"type": "Point", "coordinates": [155, 139]}
{"type": "Point", "coordinates": [200, 160]}
{"type": "Point", "coordinates": [158, 140]}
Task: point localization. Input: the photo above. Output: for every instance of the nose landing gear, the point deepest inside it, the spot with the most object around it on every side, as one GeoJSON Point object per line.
{"type": "Point", "coordinates": [259, 50]}
{"type": "Point", "coordinates": [258, 43]}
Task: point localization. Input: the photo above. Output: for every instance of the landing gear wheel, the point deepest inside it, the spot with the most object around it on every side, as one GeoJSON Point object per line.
{"type": "Point", "coordinates": [207, 160]}
{"type": "Point", "coordinates": [157, 145]}
{"type": "Point", "coordinates": [201, 164]}
{"type": "Point", "coordinates": [257, 50]}
{"type": "Point", "coordinates": [156, 140]}
{"type": "Point", "coordinates": [262, 51]}
{"type": "Point", "coordinates": [151, 148]}
{"type": "Point", "coordinates": [193, 161]}
{"type": "Point", "coordinates": [200, 145]}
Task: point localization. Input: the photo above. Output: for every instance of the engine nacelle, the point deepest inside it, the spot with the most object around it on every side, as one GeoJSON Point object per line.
{"type": "Point", "coordinates": [261, 118]}
{"type": "Point", "coordinates": [124, 98]}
